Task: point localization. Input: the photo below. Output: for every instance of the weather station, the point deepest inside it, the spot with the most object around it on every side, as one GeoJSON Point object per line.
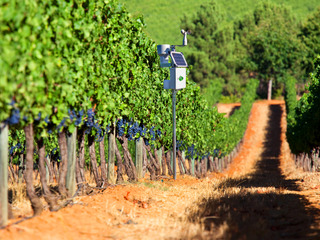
{"type": "Point", "coordinates": [177, 65]}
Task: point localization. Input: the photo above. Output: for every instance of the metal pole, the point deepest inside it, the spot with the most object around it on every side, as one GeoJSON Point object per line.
{"type": "Point", "coordinates": [174, 133]}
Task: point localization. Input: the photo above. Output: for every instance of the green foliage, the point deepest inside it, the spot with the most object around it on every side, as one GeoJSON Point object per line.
{"type": "Point", "coordinates": [211, 45]}
{"type": "Point", "coordinates": [92, 55]}
{"type": "Point", "coordinates": [310, 36]}
{"type": "Point", "coordinates": [303, 131]}
{"type": "Point", "coordinates": [269, 36]}
{"type": "Point", "coordinates": [213, 51]}
{"type": "Point", "coordinates": [231, 130]}
{"type": "Point", "coordinates": [290, 95]}
{"type": "Point", "coordinates": [213, 92]}
{"type": "Point", "coordinates": [163, 17]}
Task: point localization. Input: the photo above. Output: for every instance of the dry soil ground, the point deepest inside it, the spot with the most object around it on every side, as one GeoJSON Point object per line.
{"type": "Point", "coordinates": [260, 196]}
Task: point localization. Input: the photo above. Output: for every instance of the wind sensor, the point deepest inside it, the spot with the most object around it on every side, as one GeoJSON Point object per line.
{"type": "Point", "coordinates": [178, 65]}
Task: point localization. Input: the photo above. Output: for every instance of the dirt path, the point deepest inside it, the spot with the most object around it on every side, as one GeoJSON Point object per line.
{"type": "Point", "coordinates": [260, 196]}
{"type": "Point", "coordinates": [268, 202]}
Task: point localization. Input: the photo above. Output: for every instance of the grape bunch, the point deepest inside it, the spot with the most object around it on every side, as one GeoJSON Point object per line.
{"type": "Point", "coordinates": [158, 132]}
{"type": "Point", "coordinates": [121, 127]}
{"type": "Point", "coordinates": [61, 124]}
{"type": "Point", "coordinates": [143, 131]}
{"type": "Point", "coordinates": [14, 117]}
{"type": "Point", "coordinates": [133, 129]}
{"type": "Point", "coordinates": [38, 118]}
{"type": "Point", "coordinates": [153, 134]}
{"type": "Point", "coordinates": [79, 118]}
{"type": "Point", "coordinates": [72, 114]}
{"type": "Point", "coordinates": [179, 145]}
{"type": "Point", "coordinates": [91, 123]}
{"type": "Point", "coordinates": [191, 152]}
{"type": "Point", "coordinates": [13, 148]}
{"type": "Point", "coordinates": [46, 120]}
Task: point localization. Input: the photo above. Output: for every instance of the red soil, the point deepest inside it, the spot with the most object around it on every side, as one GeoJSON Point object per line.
{"type": "Point", "coordinates": [148, 210]}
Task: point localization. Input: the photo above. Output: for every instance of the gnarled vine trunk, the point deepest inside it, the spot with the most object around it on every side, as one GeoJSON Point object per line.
{"type": "Point", "coordinates": [168, 160]}
{"type": "Point", "coordinates": [128, 163]}
{"type": "Point", "coordinates": [119, 165]}
{"type": "Point", "coordinates": [183, 163]}
{"type": "Point", "coordinates": [154, 160]}
{"type": "Point", "coordinates": [148, 164]}
{"type": "Point", "coordinates": [197, 168]}
{"type": "Point", "coordinates": [203, 169]}
{"type": "Point", "coordinates": [163, 162]}
{"type": "Point", "coordinates": [42, 169]}
{"type": "Point", "coordinates": [93, 160]}
{"type": "Point", "coordinates": [34, 199]}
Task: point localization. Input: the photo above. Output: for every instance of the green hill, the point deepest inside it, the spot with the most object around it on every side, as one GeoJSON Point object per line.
{"type": "Point", "coordinates": [163, 17]}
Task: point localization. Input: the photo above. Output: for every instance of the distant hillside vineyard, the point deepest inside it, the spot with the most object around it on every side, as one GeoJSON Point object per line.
{"type": "Point", "coordinates": [163, 17]}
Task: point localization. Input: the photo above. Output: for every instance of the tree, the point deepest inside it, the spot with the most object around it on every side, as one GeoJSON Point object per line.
{"type": "Point", "coordinates": [310, 36]}
{"type": "Point", "coordinates": [269, 35]}
{"type": "Point", "coordinates": [212, 46]}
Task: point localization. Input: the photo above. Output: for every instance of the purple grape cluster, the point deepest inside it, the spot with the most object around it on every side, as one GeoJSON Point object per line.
{"type": "Point", "coordinates": [17, 146]}
{"type": "Point", "coordinates": [91, 123]}
{"type": "Point", "coordinates": [152, 133]}
{"type": "Point", "coordinates": [180, 145]}
{"type": "Point", "coordinates": [143, 131]}
{"type": "Point", "coordinates": [38, 118]}
{"type": "Point", "coordinates": [46, 120]}
{"type": "Point", "coordinates": [79, 117]}
{"type": "Point", "coordinates": [191, 152]}
{"type": "Point", "coordinates": [72, 114]}
{"type": "Point", "coordinates": [14, 117]}
{"type": "Point", "coordinates": [54, 155]}
{"type": "Point", "coordinates": [133, 129]}
{"type": "Point", "coordinates": [121, 127]}
{"type": "Point", "coordinates": [61, 124]}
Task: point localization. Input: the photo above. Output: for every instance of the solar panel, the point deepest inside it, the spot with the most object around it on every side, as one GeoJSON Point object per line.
{"type": "Point", "coordinates": [178, 59]}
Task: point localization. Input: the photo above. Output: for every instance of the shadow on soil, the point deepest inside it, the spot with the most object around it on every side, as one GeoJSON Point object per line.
{"type": "Point", "coordinates": [233, 110]}
{"type": "Point", "coordinates": [253, 212]}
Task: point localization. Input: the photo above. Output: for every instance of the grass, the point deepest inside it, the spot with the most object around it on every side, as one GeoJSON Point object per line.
{"type": "Point", "coordinates": [163, 18]}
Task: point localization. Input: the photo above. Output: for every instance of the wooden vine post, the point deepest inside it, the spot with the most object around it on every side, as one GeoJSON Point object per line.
{"type": "Point", "coordinates": [159, 154]}
{"type": "Point", "coordinates": [72, 158]}
{"type": "Point", "coordinates": [184, 160]}
{"type": "Point", "coordinates": [111, 155]}
{"type": "Point", "coordinates": [192, 166]}
{"type": "Point", "coordinates": [3, 174]}
{"type": "Point", "coordinates": [139, 158]}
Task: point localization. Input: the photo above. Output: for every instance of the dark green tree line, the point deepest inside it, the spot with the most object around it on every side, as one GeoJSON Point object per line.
{"type": "Point", "coordinates": [268, 43]}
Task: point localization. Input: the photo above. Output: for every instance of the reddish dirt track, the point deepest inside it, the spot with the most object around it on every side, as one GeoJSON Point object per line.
{"type": "Point", "coordinates": [262, 170]}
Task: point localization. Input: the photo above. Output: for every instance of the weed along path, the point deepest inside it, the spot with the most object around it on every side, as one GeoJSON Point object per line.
{"type": "Point", "coordinates": [260, 196]}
